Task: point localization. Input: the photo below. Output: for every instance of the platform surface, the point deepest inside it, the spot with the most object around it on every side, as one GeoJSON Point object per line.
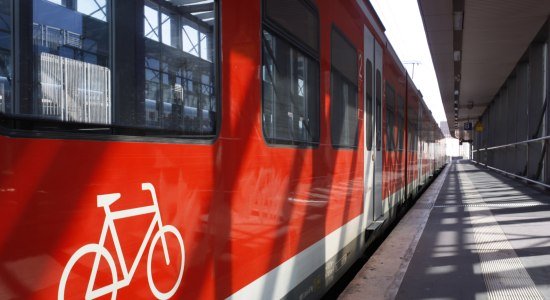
{"type": "Point", "coordinates": [474, 234]}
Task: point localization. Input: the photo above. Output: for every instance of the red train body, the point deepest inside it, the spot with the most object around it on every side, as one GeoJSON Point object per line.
{"type": "Point", "coordinates": [257, 219]}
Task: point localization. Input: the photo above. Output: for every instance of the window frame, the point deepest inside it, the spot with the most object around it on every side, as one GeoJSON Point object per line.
{"type": "Point", "coordinates": [29, 126]}
{"type": "Point", "coordinates": [343, 78]}
{"type": "Point", "coordinates": [278, 31]}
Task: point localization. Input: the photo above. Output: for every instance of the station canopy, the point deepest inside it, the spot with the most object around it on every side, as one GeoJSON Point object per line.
{"type": "Point", "coordinates": [475, 45]}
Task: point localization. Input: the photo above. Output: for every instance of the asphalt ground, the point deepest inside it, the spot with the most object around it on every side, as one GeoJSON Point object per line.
{"type": "Point", "coordinates": [481, 235]}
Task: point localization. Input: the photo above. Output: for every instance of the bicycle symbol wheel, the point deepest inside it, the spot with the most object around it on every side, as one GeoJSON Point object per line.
{"type": "Point", "coordinates": [173, 258]}
{"type": "Point", "coordinates": [98, 252]}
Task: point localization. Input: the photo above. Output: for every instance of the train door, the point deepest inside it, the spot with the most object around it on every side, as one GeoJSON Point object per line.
{"type": "Point", "coordinates": [368, 133]}
{"type": "Point", "coordinates": [372, 134]}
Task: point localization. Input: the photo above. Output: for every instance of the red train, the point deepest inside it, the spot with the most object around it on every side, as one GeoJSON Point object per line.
{"type": "Point", "coordinates": [200, 149]}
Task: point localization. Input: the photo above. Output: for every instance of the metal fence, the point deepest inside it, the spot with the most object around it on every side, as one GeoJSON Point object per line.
{"type": "Point", "coordinates": [482, 156]}
{"type": "Point", "coordinates": [73, 90]}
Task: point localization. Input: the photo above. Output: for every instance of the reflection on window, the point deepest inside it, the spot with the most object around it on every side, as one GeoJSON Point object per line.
{"type": "Point", "coordinates": [290, 93]}
{"type": "Point", "coordinates": [368, 104]}
{"type": "Point", "coordinates": [400, 122]}
{"type": "Point", "coordinates": [378, 113]}
{"type": "Point", "coordinates": [95, 9]}
{"type": "Point", "coordinates": [163, 83]}
{"type": "Point", "coordinates": [343, 108]}
{"type": "Point", "coordinates": [179, 69]}
{"type": "Point", "coordinates": [166, 25]}
{"type": "Point", "coordinates": [5, 56]}
{"type": "Point", "coordinates": [58, 2]}
{"type": "Point", "coordinates": [72, 81]}
{"type": "Point", "coordinates": [390, 118]}
{"type": "Point", "coordinates": [290, 73]}
{"type": "Point", "coordinates": [151, 24]}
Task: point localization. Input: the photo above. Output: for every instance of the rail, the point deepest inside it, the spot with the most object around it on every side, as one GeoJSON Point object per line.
{"type": "Point", "coordinates": [512, 144]}
{"type": "Point", "coordinates": [541, 139]}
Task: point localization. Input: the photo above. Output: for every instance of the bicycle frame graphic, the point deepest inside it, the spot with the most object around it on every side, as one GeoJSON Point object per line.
{"type": "Point", "coordinates": [100, 251]}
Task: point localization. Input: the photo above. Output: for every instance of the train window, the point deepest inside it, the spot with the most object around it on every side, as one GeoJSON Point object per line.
{"type": "Point", "coordinates": [343, 111]}
{"type": "Point", "coordinates": [412, 118]}
{"type": "Point", "coordinates": [6, 70]}
{"type": "Point", "coordinates": [368, 104]}
{"type": "Point", "coordinates": [157, 78]}
{"type": "Point", "coordinates": [290, 76]}
{"type": "Point", "coordinates": [69, 50]}
{"type": "Point", "coordinates": [378, 114]}
{"type": "Point", "coordinates": [390, 117]}
{"type": "Point", "coordinates": [296, 17]}
{"type": "Point", "coordinates": [179, 69]}
{"type": "Point", "coordinates": [400, 122]}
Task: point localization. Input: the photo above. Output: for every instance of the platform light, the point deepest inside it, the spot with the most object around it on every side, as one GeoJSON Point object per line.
{"type": "Point", "coordinates": [458, 20]}
{"type": "Point", "coordinates": [456, 55]}
{"type": "Point", "coordinates": [457, 92]}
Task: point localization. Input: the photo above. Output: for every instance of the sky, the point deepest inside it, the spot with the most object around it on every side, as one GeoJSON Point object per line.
{"type": "Point", "coordinates": [405, 31]}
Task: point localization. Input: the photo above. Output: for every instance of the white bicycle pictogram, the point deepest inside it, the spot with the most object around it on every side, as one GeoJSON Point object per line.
{"type": "Point", "coordinates": [100, 251]}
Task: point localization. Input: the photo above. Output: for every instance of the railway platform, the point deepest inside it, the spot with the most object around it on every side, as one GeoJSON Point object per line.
{"type": "Point", "coordinates": [474, 234]}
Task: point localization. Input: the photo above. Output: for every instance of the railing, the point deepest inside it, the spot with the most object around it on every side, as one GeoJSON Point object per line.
{"type": "Point", "coordinates": [73, 90]}
{"type": "Point", "coordinates": [486, 149]}
{"type": "Point", "coordinates": [53, 37]}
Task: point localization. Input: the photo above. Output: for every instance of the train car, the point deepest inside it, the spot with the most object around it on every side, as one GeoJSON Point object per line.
{"type": "Point", "coordinates": [200, 149]}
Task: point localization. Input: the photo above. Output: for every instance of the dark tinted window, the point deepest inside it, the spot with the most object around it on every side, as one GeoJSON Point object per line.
{"type": "Point", "coordinates": [6, 69]}
{"type": "Point", "coordinates": [412, 118]}
{"type": "Point", "coordinates": [400, 122]}
{"type": "Point", "coordinates": [290, 93]}
{"type": "Point", "coordinates": [295, 17]}
{"type": "Point", "coordinates": [368, 108]}
{"type": "Point", "coordinates": [378, 113]}
{"type": "Point", "coordinates": [290, 73]}
{"type": "Point", "coordinates": [343, 109]}
{"type": "Point", "coordinates": [390, 118]}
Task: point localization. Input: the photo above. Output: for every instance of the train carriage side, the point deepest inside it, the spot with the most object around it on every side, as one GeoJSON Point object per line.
{"type": "Point", "coordinates": [393, 124]}
{"type": "Point", "coordinates": [413, 130]}
{"type": "Point", "coordinates": [234, 140]}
